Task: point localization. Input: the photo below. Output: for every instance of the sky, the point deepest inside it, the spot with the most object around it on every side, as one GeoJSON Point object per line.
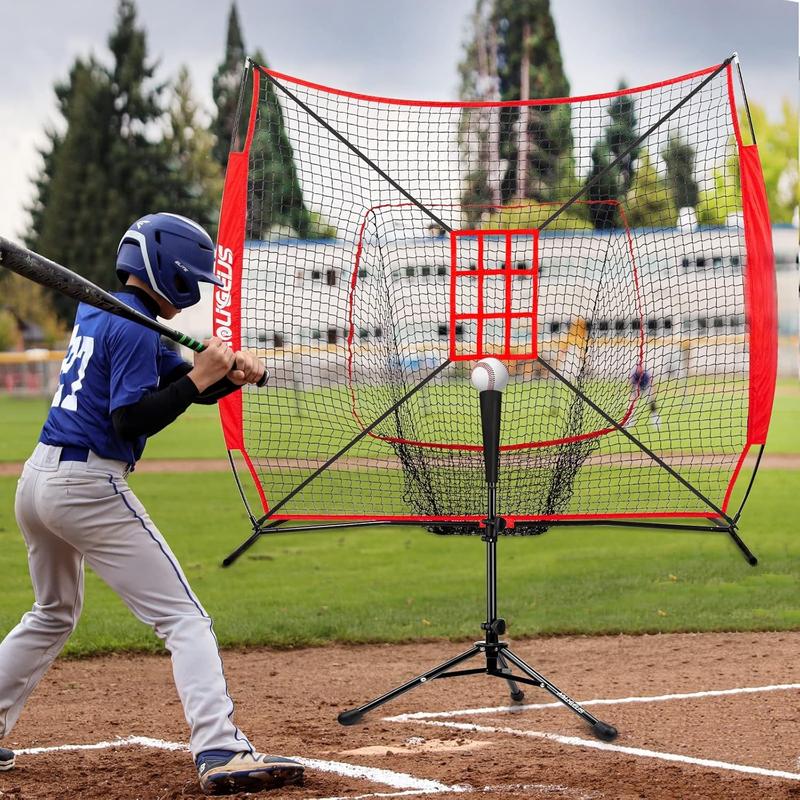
{"type": "Point", "coordinates": [408, 48]}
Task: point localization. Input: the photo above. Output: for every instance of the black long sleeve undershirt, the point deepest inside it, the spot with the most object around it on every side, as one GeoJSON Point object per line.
{"type": "Point", "coordinates": [156, 410]}
{"type": "Point", "coordinates": [210, 396]}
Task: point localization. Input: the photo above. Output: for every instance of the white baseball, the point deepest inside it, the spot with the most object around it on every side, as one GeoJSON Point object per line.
{"type": "Point", "coordinates": [488, 374]}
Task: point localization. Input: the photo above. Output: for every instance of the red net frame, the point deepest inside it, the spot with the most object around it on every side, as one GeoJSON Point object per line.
{"type": "Point", "coordinates": [759, 294]}
{"type": "Point", "coordinates": [508, 272]}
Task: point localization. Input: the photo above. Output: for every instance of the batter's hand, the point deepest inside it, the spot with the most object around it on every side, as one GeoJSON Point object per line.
{"type": "Point", "coordinates": [213, 364]}
{"type": "Point", "coordinates": [248, 368]}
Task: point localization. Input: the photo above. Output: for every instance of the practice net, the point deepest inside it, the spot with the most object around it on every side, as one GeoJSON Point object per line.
{"type": "Point", "coordinates": [374, 249]}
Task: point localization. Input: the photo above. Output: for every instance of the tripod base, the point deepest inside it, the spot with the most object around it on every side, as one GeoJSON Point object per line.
{"type": "Point", "coordinates": [498, 655]}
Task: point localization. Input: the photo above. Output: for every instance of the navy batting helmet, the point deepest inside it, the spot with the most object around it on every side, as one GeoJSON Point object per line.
{"type": "Point", "coordinates": [171, 254]}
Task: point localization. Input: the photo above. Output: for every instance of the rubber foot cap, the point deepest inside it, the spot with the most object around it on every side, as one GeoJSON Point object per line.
{"type": "Point", "coordinates": [604, 731]}
{"type": "Point", "coordinates": [350, 717]}
{"type": "Point", "coordinates": [518, 697]}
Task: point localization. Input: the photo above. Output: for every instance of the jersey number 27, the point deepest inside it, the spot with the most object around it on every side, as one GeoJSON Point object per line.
{"type": "Point", "coordinates": [78, 355]}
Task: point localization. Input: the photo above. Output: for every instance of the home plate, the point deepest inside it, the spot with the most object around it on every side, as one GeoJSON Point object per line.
{"type": "Point", "coordinates": [417, 744]}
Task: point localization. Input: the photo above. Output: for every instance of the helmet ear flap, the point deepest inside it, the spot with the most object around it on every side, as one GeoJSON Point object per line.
{"type": "Point", "coordinates": [129, 260]}
{"type": "Point", "coordinates": [181, 285]}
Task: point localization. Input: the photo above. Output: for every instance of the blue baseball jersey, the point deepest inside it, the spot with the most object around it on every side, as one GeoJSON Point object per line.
{"type": "Point", "coordinates": [110, 363]}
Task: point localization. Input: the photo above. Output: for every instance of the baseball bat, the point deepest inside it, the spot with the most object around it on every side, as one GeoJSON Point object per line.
{"type": "Point", "coordinates": [48, 273]}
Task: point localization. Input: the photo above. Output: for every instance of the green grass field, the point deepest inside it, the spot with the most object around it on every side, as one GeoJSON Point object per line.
{"type": "Point", "coordinates": [197, 433]}
{"type": "Point", "coordinates": [394, 584]}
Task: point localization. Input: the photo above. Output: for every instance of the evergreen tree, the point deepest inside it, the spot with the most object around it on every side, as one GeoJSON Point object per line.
{"type": "Point", "coordinates": [678, 155]}
{"type": "Point", "coordinates": [107, 169]}
{"type": "Point", "coordinates": [48, 153]}
{"type": "Point", "coordinates": [196, 176]}
{"type": "Point", "coordinates": [614, 184]}
{"type": "Point", "coordinates": [225, 88]}
{"type": "Point", "coordinates": [604, 187]}
{"type": "Point", "coordinates": [649, 203]}
{"type": "Point", "coordinates": [14, 289]}
{"type": "Point", "coordinates": [479, 127]}
{"type": "Point", "coordinates": [69, 217]}
{"type": "Point", "coordinates": [138, 182]}
{"type": "Point", "coordinates": [276, 202]}
{"type": "Point", "coordinates": [621, 134]}
{"type": "Point", "coordinates": [513, 53]}
{"type": "Point", "coordinates": [548, 135]}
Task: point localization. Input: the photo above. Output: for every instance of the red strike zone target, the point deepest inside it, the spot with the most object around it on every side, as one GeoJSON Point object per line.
{"type": "Point", "coordinates": [351, 324]}
{"type": "Point", "coordinates": [507, 270]}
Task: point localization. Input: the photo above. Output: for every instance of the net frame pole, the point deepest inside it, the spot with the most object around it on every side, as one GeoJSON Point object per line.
{"type": "Point", "coordinates": [240, 488]}
{"type": "Point", "coordinates": [749, 484]}
{"type": "Point", "coordinates": [258, 524]}
{"type": "Point", "coordinates": [744, 95]}
{"type": "Point", "coordinates": [247, 68]}
{"type": "Point", "coordinates": [731, 527]}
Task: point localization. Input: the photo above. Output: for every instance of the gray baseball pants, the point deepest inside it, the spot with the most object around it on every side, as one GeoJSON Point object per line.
{"type": "Point", "coordinates": [69, 512]}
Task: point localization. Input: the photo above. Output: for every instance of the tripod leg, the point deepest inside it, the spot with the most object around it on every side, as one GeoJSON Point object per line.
{"type": "Point", "coordinates": [601, 730]}
{"type": "Point", "coordinates": [517, 695]}
{"type": "Point", "coordinates": [354, 714]}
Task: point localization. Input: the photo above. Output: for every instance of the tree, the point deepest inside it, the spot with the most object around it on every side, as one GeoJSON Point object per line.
{"type": "Point", "coordinates": [678, 155]}
{"type": "Point", "coordinates": [529, 57]}
{"type": "Point", "coordinates": [29, 302]}
{"type": "Point", "coordinates": [611, 183]}
{"type": "Point", "coordinates": [197, 177]}
{"type": "Point", "coordinates": [479, 127]}
{"type": "Point", "coordinates": [604, 186]}
{"type": "Point", "coordinates": [778, 147]}
{"type": "Point", "coordinates": [69, 216]}
{"type": "Point", "coordinates": [13, 287]}
{"type": "Point", "coordinates": [724, 198]}
{"type": "Point", "coordinates": [48, 153]}
{"type": "Point", "coordinates": [514, 153]}
{"type": "Point", "coordinates": [649, 203]}
{"type": "Point", "coordinates": [108, 168]}
{"type": "Point", "coordinates": [225, 88]}
{"type": "Point", "coordinates": [276, 202]}
{"type": "Point", "coordinates": [138, 182]}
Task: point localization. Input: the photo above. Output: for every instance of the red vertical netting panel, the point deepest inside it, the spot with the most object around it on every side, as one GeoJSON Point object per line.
{"type": "Point", "coordinates": [230, 252]}
{"type": "Point", "coordinates": [760, 295]}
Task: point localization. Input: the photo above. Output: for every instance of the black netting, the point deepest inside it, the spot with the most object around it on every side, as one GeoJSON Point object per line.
{"type": "Point", "coordinates": [346, 291]}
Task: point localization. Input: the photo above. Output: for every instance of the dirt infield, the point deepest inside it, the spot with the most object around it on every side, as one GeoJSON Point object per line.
{"type": "Point", "coordinates": [700, 716]}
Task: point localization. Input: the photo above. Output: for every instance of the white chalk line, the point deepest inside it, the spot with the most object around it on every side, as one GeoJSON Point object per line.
{"type": "Point", "coordinates": [516, 709]}
{"type": "Point", "coordinates": [410, 793]}
{"type": "Point", "coordinates": [127, 741]}
{"type": "Point", "coordinates": [396, 780]}
{"type": "Point", "coordinates": [576, 741]}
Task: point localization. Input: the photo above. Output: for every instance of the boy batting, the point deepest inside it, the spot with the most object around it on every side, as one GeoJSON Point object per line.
{"type": "Point", "coordinates": [119, 385]}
